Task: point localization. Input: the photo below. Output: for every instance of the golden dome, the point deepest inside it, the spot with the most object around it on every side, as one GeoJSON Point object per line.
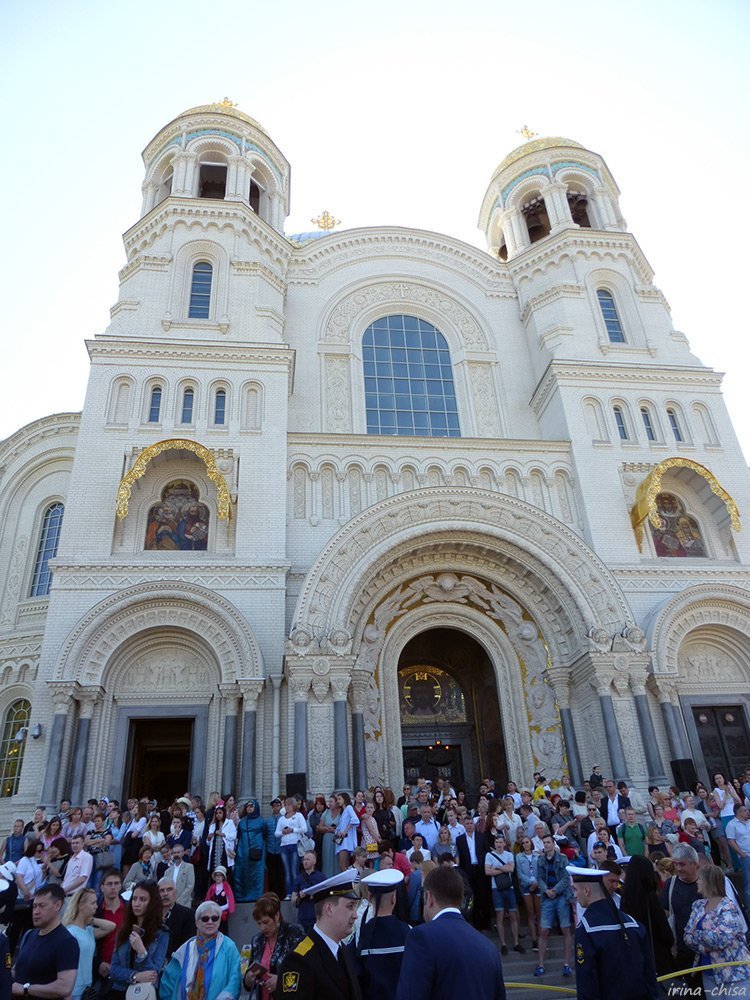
{"type": "Point", "coordinates": [534, 146]}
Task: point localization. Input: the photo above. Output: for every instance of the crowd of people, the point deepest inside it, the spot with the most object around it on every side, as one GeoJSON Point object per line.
{"type": "Point", "coordinates": [99, 899]}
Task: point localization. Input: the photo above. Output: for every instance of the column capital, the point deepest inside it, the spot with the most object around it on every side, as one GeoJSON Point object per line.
{"type": "Point", "coordinates": [250, 690]}
{"type": "Point", "coordinates": [88, 698]}
{"type": "Point", "coordinates": [230, 697]}
{"type": "Point", "coordinates": [664, 688]}
{"type": "Point", "coordinates": [360, 683]}
{"type": "Point", "coordinates": [340, 685]}
{"type": "Point", "coordinates": [62, 693]}
{"type": "Point", "coordinates": [299, 685]}
{"type": "Point", "coordinates": [275, 681]}
{"type": "Point", "coordinates": [559, 678]}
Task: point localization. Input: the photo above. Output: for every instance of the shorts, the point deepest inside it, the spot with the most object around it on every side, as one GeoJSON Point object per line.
{"type": "Point", "coordinates": [558, 907]}
{"type": "Point", "coordinates": [504, 899]}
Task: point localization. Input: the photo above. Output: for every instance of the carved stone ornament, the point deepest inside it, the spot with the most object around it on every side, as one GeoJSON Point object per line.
{"type": "Point", "coordinates": [321, 666]}
{"type": "Point", "coordinates": [299, 685]}
{"type": "Point", "coordinates": [302, 641]}
{"type": "Point", "coordinates": [399, 295]}
{"type": "Point", "coordinates": [601, 640]}
{"type": "Point", "coordinates": [635, 638]}
{"type": "Point", "coordinates": [62, 694]}
{"type": "Point", "coordinates": [320, 686]}
{"type": "Point", "coordinates": [339, 641]}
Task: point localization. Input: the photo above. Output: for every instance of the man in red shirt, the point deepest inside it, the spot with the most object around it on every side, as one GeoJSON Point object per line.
{"type": "Point", "coordinates": [112, 908]}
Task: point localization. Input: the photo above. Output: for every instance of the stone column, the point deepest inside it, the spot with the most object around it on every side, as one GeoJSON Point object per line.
{"type": "Point", "coordinates": [358, 693]}
{"type": "Point", "coordinates": [663, 689]}
{"type": "Point", "coordinates": [299, 687]}
{"type": "Point", "coordinates": [230, 699]}
{"type": "Point", "coordinates": [646, 729]}
{"type": "Point", "coordinates": [54, 788]}
{"type": "Point", "coordinates": [561, 685]}
{"type": "Point", "coordinates": [275, 681]}
{"type": "Point", "coordinates": [87, 699]}
{"type": "Point", "coordinates": [250, 691]}
{"type": "Point", "coordinates": [509, 232]}
{"type": "Point", "coordinates": [342, 776]}
{"type": "Point", "coordinates": [614, 741]}
{"type": "Point", "coordinates": [556, 202]}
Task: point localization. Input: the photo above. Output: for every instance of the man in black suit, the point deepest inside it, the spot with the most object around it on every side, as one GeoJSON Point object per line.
{"type": "Point", "coordinates": [178, 920]}
{"type": "Point", "coordinates": [319, 968]}
{"type": "Point", "coordinates": [471, 847]}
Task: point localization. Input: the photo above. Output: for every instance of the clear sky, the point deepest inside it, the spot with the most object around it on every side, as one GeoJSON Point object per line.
{"type": "Point", "coordinates": [390, 113]}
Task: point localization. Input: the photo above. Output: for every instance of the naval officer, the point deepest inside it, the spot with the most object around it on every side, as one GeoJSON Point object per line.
{"type": "Point", "coordinates": [378, 947]}
{"type": "Point", "coordinates": [319, 968]}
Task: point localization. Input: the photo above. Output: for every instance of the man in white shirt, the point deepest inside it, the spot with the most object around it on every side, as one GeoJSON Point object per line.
{"type": "Point", "coordinates": [79, 868]}
{"type": "Point", "coordinates": [418, 845]}
{"type": "Point", "coordinates": [454, 827]}
{"type": "Point", "coordinates": [428, 827]}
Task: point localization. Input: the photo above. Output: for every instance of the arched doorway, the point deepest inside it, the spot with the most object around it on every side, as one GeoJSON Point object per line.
{"type": "Point", "coordinates": [450, 715]}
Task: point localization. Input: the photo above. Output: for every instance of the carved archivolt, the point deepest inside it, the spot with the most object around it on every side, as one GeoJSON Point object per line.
{"type": "Point", "coordinates": [402, 296]}
{"type": "Point", "coordinates": [499, 522]}
{"type": "Point", "coordinates": [721, 606]}
{"type": "Point", "coordinates": [223, 505]}
{"type": "Point", "coordinates": [114, 621]}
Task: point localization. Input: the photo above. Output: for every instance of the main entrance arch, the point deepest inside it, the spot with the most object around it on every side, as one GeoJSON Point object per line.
{"type": "Point", "coordinates": [449, 712]}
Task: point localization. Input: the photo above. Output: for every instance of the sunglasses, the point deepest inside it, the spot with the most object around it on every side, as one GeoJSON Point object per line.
{"type": "Point", "coordinates": [212, 919]}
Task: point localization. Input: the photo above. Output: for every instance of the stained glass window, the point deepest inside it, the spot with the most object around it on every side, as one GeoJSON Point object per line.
{"type": "Point", "coordinates": [11, 749]}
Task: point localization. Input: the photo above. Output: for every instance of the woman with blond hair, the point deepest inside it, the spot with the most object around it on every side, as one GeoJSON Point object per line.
{"type": "Point", "coordinates": [716, 932]}
{"type": "Point", "coordinates": [81, 920]}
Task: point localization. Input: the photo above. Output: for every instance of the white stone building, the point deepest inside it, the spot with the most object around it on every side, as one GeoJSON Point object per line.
{"type": "Point", "coordinates": [367, 503]}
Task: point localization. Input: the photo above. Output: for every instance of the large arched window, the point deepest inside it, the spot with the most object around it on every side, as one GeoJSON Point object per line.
{"type": "Point", "coordinates": [610, 316]}
{"type": "Point", "coordinates": [48, 542]}
{"type": "Point", "coordinates": [408, 379]}
{"type": "Point", "coordinates": [200, 290]}
{"type": "Point", "coordinates": [11, 749]}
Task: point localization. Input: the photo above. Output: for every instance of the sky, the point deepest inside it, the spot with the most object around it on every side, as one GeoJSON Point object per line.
{"type": "Point", "coordinates": [390, 114]}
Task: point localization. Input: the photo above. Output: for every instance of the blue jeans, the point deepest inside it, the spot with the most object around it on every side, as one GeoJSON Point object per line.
{"type": "Point", "coordinates": [290, 861]}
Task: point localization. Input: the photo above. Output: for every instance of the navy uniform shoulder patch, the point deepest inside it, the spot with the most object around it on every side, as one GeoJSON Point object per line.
{"type": "Point", "coordinates": [290, 980]}
{"type": "Point", "coordinates": [579, 954]}
{"type": "Point", "coordinates": [304, 946]}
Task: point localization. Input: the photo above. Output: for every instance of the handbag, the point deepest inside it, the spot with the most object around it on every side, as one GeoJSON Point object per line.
{"type": "Point", "coordinates": [104, 859]}
{"type": "Point", "coordinates": [141, 991]}
{"type": "Point", "coordinates": [254, 854]}
{"type": "Point", "coordinates": [305, 844]}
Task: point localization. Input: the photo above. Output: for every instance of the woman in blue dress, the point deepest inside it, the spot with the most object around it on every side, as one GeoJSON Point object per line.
{"type": "Point", "coordinates": [250, 862]}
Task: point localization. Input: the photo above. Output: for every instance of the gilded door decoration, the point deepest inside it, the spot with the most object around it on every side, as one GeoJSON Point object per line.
{"type": "Point", "coordinates": [428, 694]}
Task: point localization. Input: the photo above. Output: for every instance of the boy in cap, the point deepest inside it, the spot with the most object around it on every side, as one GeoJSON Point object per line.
{"type": "Point", "coordinates": [378, 949]}
{"type": "Point", "coordinates": [612, 950]}
{"type": "Point", "coordinates": [318, 967]}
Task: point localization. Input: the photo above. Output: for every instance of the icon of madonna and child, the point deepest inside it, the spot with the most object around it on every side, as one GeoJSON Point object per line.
{"type": "Point", "coordinates": [179, 522]}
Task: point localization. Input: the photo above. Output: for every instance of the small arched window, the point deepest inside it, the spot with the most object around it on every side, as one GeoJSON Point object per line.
{"type": "Point", "coordinates": [15, 724]}
{"type": "Point", "coordinates": [188, 399]}
{"type": "Point", "coordinates": [622, 427]}
{"type": "Point", "coordinates": [48, 543]}
{"type": "Point", "coordinates": [200, 290]}
{"type": "Point", "coordinates": [648, 423]}
{"type": "Point", "coordinates": [408, 379]}
{"type": "Point", "coordinates": [610, 317]}
{"type": "Point", "coordinates": [220, 406]}
{"type": "Point", "coordinates": [154, 405]}
{"type": "Point", "coordinates": [674, 423]}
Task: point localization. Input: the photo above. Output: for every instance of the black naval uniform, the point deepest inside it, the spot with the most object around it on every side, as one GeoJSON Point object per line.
{"type": "Point", "coordinates": [613, 959]}
{"type": "Point", "coordinates": [310, 972]}
{"type": "Point", "coordinates": [378, 954]}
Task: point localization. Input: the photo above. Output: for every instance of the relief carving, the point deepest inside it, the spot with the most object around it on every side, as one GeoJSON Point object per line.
{"type": "Point", "coordinates": [338, 404]}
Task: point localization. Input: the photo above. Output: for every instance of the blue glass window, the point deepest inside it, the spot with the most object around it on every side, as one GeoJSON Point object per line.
{"type": "Point", "coordinates": [220, 406]}
{"type": "Point", "coordinates": [674, 423]}
{"type": "Point", "coordinates": [622, 428]}
{"type": "Point", "coordinates": [154, 406]}
{"type": "Point", "coordinates": [188, 398]}
{"type": "Point", "coordinates": [648, 424]}
{"type": "Point", "coordinates": [200, 290]}
{"type": "Point", "coordinates": [609, 314]}
{"type": "Point", "coordinates": [48, 542]}
{"type": "Point", "coordinates": [11, 749]}
{"type": "Point", "coordinates": [408, 379]}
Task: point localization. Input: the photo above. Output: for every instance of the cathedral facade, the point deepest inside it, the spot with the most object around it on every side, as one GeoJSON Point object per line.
{"type": "Point", "coordinates": [368, 504]}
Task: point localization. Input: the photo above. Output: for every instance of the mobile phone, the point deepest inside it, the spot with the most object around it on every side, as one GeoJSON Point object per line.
{"type": "Point", "coordinates": [140, 931]}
